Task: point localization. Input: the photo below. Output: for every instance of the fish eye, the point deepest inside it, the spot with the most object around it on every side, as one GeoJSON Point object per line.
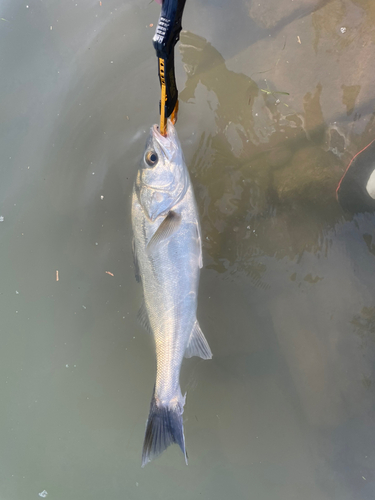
{"type": "Point", "coordinates": [151, 158]}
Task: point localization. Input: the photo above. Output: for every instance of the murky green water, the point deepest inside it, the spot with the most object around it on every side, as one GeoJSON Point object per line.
{"type": "Point", "coordinates": [285, 410]}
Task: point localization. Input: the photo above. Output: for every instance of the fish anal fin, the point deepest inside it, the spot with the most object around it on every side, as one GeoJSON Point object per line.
{"type": "Point", "coordinates": [143, 318]}
{"type": "Point", "coordinates": [169, 226]}
{"type": "Point", "coordinates": [198, 345]}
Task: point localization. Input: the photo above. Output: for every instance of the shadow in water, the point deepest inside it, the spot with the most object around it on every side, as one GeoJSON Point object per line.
{"type": "Point", "coordinates": [265, 176]}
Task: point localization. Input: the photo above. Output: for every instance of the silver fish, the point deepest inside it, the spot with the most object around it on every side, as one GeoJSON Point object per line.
{"type": "Point", "coordinates": [167, 253]}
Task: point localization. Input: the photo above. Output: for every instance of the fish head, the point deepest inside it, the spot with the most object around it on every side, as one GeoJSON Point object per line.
{"type": "Point", "coordinates": [163, 178]}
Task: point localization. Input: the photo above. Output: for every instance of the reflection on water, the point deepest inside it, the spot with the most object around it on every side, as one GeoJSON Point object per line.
{"type": "Point", "coordinates": [273, 107]}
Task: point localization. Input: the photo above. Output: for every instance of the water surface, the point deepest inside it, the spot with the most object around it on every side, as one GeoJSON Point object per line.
{"type": "Point", "coordinates": [285, 410]}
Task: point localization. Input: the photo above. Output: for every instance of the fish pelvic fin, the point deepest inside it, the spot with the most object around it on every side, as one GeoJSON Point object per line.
{"type": "Point", "coordinates": [135, 261]}
{"type": "Point", "coordinates": [163, 428]}
{"type": "Point", "coordinates": [143, 318]}
{"type": "Point", "coordinates": [198, 345]}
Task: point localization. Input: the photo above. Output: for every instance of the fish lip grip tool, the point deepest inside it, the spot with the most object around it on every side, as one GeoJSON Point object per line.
{"type": "Point", "coordinates": [166, 36]}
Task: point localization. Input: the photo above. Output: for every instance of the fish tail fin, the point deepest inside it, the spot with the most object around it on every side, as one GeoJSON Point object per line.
{"type": "Point", "coordinates": [163, 428]}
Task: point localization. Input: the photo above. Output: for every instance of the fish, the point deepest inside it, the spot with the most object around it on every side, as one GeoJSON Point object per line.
{"type": "Point", "coordinates": [167, 251]}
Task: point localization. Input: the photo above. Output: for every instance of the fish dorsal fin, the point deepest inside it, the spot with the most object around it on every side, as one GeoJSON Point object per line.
{"type": "Point", "coordinates": [198, 345]}
{"type": "Point", "coordinates": [169, 225]}
{"type": "Point", "coordinates": [143, 318]}
{"type": "Point", "coordinates": [199, 240]}
{"type": "Point", "coordinates": [135, 261]}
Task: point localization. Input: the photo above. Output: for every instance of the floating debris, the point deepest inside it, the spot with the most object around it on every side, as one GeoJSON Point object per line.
{"type": "Point", "coordinates": [343, 29]}
{"type": "Point", "coordinates": [272, 92]}
{"type": "Point", "coordinates": [1, 218]}
{"type": "Point", "coordinates": [108, 272]}
{"type": "Point", "coordinates": [43, 494]}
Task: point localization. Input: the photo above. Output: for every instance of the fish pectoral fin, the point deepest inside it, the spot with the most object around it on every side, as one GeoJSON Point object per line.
{"type": "Point", "coordinates": [198, 345]}
{"type": "Point", "coordinates": [169, 225]}
{"type": "Point", "coordinates": [143, 318]}
{"type": "Point", "coordinates": [135, 261]}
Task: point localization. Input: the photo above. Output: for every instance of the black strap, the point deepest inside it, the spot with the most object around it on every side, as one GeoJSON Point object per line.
{"type": "Point", "coordinates": [166, 36]}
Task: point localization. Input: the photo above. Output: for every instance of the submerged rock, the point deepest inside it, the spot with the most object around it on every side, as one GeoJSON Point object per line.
{"type": "Point", "coordinates": [270, 13]}
{"type": "Point", "coordinates": [310, 177]}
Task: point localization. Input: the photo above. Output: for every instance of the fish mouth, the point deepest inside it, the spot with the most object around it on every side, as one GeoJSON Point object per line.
{"type": "Point", "coordinates": [166, 149]}
{"type": "Point", "coordinates": [164, 142]}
